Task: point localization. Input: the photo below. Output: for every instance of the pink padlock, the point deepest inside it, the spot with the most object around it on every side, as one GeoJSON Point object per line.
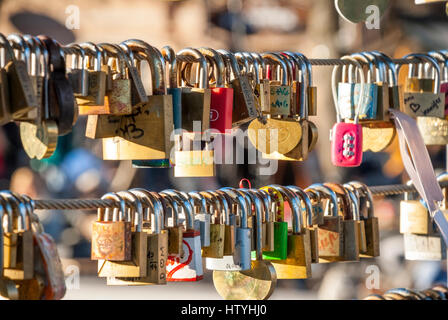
{"type": "Point", "coordinates": [346, 138]}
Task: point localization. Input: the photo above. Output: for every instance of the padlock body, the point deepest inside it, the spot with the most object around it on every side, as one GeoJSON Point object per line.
{"type": "Point", "coordinates": [187, 267]}
{"type": "Point", "coordinates": [221, 108]}
{"type": "Point", "coordinates": [297, 265]}
{"type": "Point", "coordinates": [280, 251]}
{"type": "Point", "coordinates": [111, 241]}
{"type": "Point", "coordinates": [346, 144]}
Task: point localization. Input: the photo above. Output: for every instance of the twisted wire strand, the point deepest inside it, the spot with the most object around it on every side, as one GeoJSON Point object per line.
{"type": "Point", "coordinates": [315, 62]}
{"type": "Point", "coordinates": [93, 204]}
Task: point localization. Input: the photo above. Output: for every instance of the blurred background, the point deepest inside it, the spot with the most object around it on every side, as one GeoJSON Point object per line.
{"type": "Point", "coordinates": [312, 27]}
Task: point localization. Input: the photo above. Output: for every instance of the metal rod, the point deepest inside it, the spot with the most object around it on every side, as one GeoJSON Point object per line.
{"type": "Point", "coordinates": [93, 204]}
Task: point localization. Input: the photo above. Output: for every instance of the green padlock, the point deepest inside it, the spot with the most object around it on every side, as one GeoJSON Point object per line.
{"type": "Point", "coordinates": [280, 226]}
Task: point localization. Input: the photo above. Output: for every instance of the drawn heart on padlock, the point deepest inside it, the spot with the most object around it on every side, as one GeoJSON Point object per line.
{"type": "Point", "coordinates": [414, 107]}
{"type": "Point", "coordinates": [356, 11]}
{"type": "Point", "coordinates": [377, 136]}
{"type": "Point", "coordinates": [289, 135]}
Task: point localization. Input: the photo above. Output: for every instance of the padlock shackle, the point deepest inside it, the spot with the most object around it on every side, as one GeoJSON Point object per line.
{"type": "Point", "coordinates": [155, 62]}
{"type": "Point", "coordinates": [262, 71]}
{"type": "Point", "coordinates": [330, 194]}
{"type": "Point", "coordinates": [265, 203]}
{"type": "Point", "coordinates": [169, 55]}
{"type": "Point", "coordinates": [200, 200]}
{"type": "Point", "coordinates": [361, 91]}
{"type": "Point", "coordinates": [219, 66]}
{"type": "Point", "coordinates": [344, 199]}
{"type": "Point", "coordinates": [149, 199]}
{"type": "Point", "coordinates": [428, 59]}
{"type": "Point", "coordinates": [296, 208]}
{"type": "Point", "coordinates": [19, 42]}
{"type": "Point", "coordinates": [186, 206]}
{"type": "Point", "coordinates": [203, 66]}
{"type": "Point", "coordinates": [136, 209]}
{"type": "Point", "coordinates": [259, 223]}
{"type": "Point", "coordinates": [255, 66]}
{"type": "Point", "coordinates": [240, 201]}
{"type": "Point", "coordinates": [368, 196]}
{"type": "Point", "coordinates": [93, 51]}
{"type": "Point", "coordinates": [354, 201]}
{"type": "Point", "coordinates": [224, 206]}
{"type": "Point", "coordinates": [231, 60]}
{"type": "Point", "coordinates": [380, 66]}
{"type": "Point", "coordinates": [308, 205]}
{"type": "Point", "coordinates": [272, 57]}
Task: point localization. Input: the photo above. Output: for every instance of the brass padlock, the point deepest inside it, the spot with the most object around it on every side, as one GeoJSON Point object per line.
{"type": "Point", "coordinates": [136, 266]}
{"type": "Point", "coordinates": [21, 93]}
{"type": "Point", "coordinates": [22, 250]}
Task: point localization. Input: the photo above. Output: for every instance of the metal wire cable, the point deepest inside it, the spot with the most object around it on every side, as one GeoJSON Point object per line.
{"type": "Point", "coordinates": [93, 204]}
{"type": "Point", "coordinates": [315, 62]}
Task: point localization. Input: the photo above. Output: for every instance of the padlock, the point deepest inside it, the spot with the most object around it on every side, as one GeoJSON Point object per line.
{"type": "Point", "coordinates": [346, 138]}
{"type": "Point", "coordinates": [187, 266]}
{"type": "Point", "coordinates": [244, 108]}
{"type": "Point", "coordinates": [280, 94]}
{"type": "Point", "coordinates": [157, 246]}
{"type": "Point", "coordinates": [378, 132]}
{"type": "Point", "coordinates": [428, 246]}
{"type": "Point", "coordinates": [21, 253]}
{"type": "Point", "coordinates": [262, 89]}
{"type": "Point", "coordinates": [422, 97]}
{"type": "Point", "coordinates": [239, 285]}
{"type": "Point", "coordinates": [297, 265]}
{"type": "Point", "coordinates": [39, 137]}
{"type": "Point", "coordinates": [93, 102]}
{"type": "Point", "coordinates": [355, 204]}
{"type": "Point", "coordinates": [145, 134]}
{"type": "Point", "coordinates": [308, 211]}
{"type": "Point", "coordinates": [280, 226]}
{"type": "Point", "coordinates": [217, 228]}
{"type": "Point", "coordinates": [173, 88]}
{"type": "Point", "coordinates": [350, 226]}
{"type": "Point", "coordinates": [175, 228]}
{"type": "Point", "coordinates": [330, 233]}
{"type": "Point", "coordinates": [138, 92]}
{"type": "Point", "coordinates": [119, 97]}
{"type": "Point", "coordinates": [241, 259]}
{"type": "Point", "coordinates": [269, 219]}
{"type": "Point", "coordinates": [443, 58]}
{"type": "Point", "coordinates": [21, 94]}
{"type": "Point", "coordinates": [201, 217]}
{"type": "Point", "coordinates": [317, 202]}
{"type": "Point", "coordinates": [77, 73]}
{"type": "Point", "coordinates": [414, 216]}
{"type": "Point", "coordinates": [194, 156]}
{"type": "Point", "coordinates": [434, 130]}
{"type": "Point", "coordinates": [195, 100]}
{"type": "Point", "coordinates": [265, 201]}
{"type": "Point", "coordinates": [48, 282]}
{"type": "Point", "coordinates": [221, 100]}
{"type": "Point", "coordinates": [309, 133]}
{"type": "Point", "coordinates": [137, 265]}
{"type": "Point", "coordinates": [227, 261]}
{"type": "Point", "coordinates": [349, 94]}
{"type": "Point", "coordinates": [28, 49]}
{"type": "Point", "coordinates": [8, 243]}
{"type": "Point", "coordinates": [111, 235]}
{"type": "Point", "coordinates": [370, 221]}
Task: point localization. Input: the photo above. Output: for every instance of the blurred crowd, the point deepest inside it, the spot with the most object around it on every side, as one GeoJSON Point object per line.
{"type": "Point", "coordinates": [77, 169]}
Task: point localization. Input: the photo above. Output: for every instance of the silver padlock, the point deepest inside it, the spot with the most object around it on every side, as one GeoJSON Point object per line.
{"type": "Point", "coordinates": [201, 217]}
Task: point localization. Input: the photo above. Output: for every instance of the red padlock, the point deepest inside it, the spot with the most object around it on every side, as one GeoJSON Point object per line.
{"type": "Point", "coordinates": [221, 102]}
